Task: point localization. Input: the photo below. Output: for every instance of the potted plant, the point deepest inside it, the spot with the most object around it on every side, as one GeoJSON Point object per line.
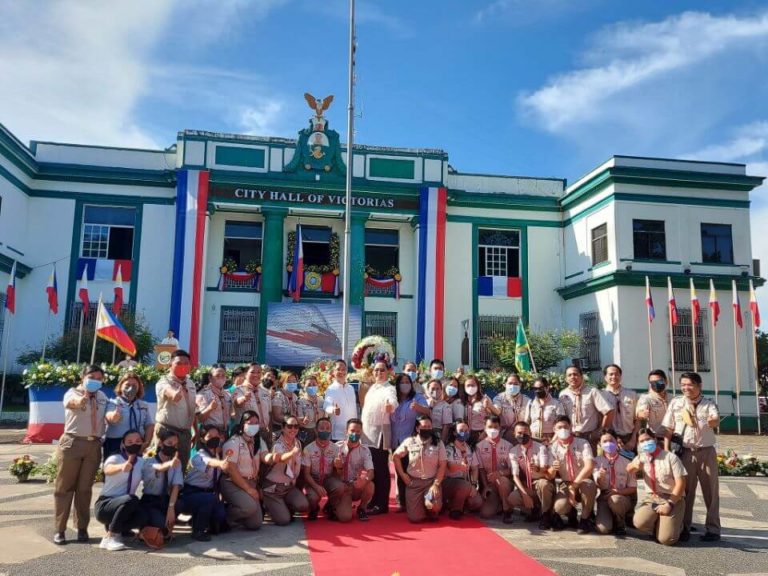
{"type": "Point", "coordinates": [21, 467]}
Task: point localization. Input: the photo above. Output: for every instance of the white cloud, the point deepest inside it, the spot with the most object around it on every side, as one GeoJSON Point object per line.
{"type": "Point", "coordinates": [630, 56]}
{"type": "Point", "coordinates": [750, 140]}
{"type": "Point", "coordinates": [525, 12]}
{"type": "Point", "coordinates": [261, 119]}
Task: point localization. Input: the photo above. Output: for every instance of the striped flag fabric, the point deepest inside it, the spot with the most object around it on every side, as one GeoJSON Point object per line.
{"type": "Point", "coordinates": [649, 301]}
{"type": "Point", "coordinates": [109, 328]}
{"type": "Point", "coordinates": [83, 294]}
{"type": "Point", "coordinates": [714, 305]}
{"type": "Point", "coordinates": [52, 289]}
{"type": "Point", "coordinates": [695, 305]}
{"type": "Point", "coordinates": [500, 286]}
{"type": "Point", "coordinates": [737, 318]}
{"type": "Point", "coordinates": [296, 280]}
{"type": "Point", "coordinates": [671, 303]}
{"type": "Point", "coordinates": [117, 303]}
{"type": "Point", "coordinates": [10, 293]}
{"type": "Point", "coordinates": [753, 307]}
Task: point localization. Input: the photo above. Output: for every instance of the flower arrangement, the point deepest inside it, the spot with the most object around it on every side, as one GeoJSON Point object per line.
{"type": "Point", "coordinates": [22, 467]}
{"type": "Point", "coordinates": [321, 370]}
{"type": "Point", "coordinates": [253, 267]}
{"type": "Point", "coordinates": [228, 266]}
{"type": "Point", "coordinates": [495, 379]}
{"type": "Point", "coordinates": [49, 374]}
{"type": "Point", "coordinates": [731, 464]}
{"type": "Point", "coordinates": [369, 349]}
{"type": "Point", "coordinates": [334, 247]}
{"type": "Point", "coordinates": [392, 272]}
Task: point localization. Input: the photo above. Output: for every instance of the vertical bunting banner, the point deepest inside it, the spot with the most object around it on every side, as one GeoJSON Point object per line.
{"type": "Point", "coordinates": [189, 249]}
{"type": "Point", "coordinates": [429, 332]}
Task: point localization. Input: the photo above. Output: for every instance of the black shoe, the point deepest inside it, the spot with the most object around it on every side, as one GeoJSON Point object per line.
{"type": "Point", "coordinates": [585, 527]}
{"type": "Point", "coordinates": [312, 516]}
{"type": "Point", "coordinates": [362, 515]}
{"type": "Point", "coordinates": [455, 514]}
{"type": "Point", "coordinates": [557, 522]}
{"type": "Point", "coordinates": [375, 511]}
{"type": "Point", "coordinates": [59, 538]}
{"type": "Point", "coordinates": [128, 534]}
{"type": "Point", "coordinates": [546, 522]}
{"type": "Point", "coordinates": [685, 535]}
{"type": "Point", "coordinates": [533, 516]}
{"type": "Point", "coordinates": [573, 519]}
{"type": "Point", "coordinates": [507, 517]}
{"type": "Point", "coordinates": [709, 537]}
{"type": "Point", "coordinates": [620, 532]}
{"type": "Point", "coordinates": [694, 529]}
{"type": "Point", "coordinates": [82, 535]}
{"type": "Point", "coordinates": [201, 537]}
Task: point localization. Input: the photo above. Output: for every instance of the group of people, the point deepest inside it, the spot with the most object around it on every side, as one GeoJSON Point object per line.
{"type": "Point", "coordinates": [227, 455]}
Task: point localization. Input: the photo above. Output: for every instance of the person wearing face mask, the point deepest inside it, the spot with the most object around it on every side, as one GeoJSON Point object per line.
{"type": "Point", "coordinates": [571, 460]}
{"type": "Point", "coordinates": [436, 369]}
{"type": "Point", "coordinates": [412, 370]}
{"type": "Point", "coordinates": [127, 411]}
{"type": "Point", "coordinates": [695, 418]}
{"type": "Point", "coordinates": [118, 507]}
{"type": "Point", "coordinates": [439, 410]}
{"type": "Point", "coordinates": [534, 490]}
{"type": "Point", "coordinates": [403, 419]}
{"type": "Point", "coordinates": [284, 401]}
{"type": "Point", "coordinates": [425, 472]}
{"type": "Point", "coordinates": [254, 395]}
{"type": "Point", "coordinates": [176, 408]}
{"type": "Point", "coordinates": [354, 466]}
{"type": "Point", "coordinates": [239, 485]}
{"type": "Point", "coordinates": [661, 512]}
{"type": "Point", "coordinates": [492, 459]}
{"type": "Point", "coordinates": [282, 498]}
{"type": "Point", "coordinates": [511, 406]}
{"type": "Point", "coordinates": [309, 408]}
{"type": "Point", "coordinates": [451, 394]}
{"type": "Point", "coordinates": [163, 478]}
{"type": "Point", "coordinates": [586, 407]}
{"type": "Point", "coordinates": [317, 472]}
{"type": "Point", "coordinates": [214, 403]}
{"type": "Point", "coordinates": [200, 495]}
{"type": "Point", "coordinates": [652, 405]}
{"type": "Point", "coordinates": [542, 411]}
{"type": "Point", "coordinates": [624, 404]}
{"type": "Point", "coordinates": [477, 406]}
{"type": "Point", "coordinates": [79, 452]}
{"type": "Point", "coordinates": [460, 491]}
{"type": "Point", "coordinates": [618, 488]}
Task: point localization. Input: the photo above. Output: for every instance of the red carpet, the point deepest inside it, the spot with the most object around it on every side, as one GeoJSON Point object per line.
{"type": "Point", "coordinates": [389, 544]}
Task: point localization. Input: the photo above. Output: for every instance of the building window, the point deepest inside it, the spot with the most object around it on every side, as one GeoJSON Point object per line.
{"type": "Point", "coordinates": [382, 324]}
{"type": "Point", "coordinates": [238, 334]}
{"type": "Point", "coordinates": [599, 244]}
{"type": "Point", "coordinates": [499, 253]}
{"type": "Point", "coordinates": [589, 328]}
{"type": "Point", "coordinates": [316, 245]}
{"type": "Point", "coordinates": [89, 322]}
{"type": "Point", "coordinates": [382, 250]}
{"type": "Point", "coordinates": [716, 243]}
{"type": "Point", "coordinates": [108, 232]}
{"type": "Point", "coordinates": [242, 242]}
{"type": "Point", "coordinates": [682, 338]}
{"type": "Point", "coordinates": [488, 328]}
{"type": "Point", "coordinates": [649, 239]}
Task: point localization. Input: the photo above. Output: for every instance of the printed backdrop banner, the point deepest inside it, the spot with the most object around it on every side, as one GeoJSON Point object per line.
{"type": "Point", "coordinates": [299, 333]}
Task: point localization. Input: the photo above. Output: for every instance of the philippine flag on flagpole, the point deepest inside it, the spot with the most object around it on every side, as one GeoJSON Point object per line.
{"type": "Point", "coordinates": [10, 293]}
{"type": "Point", "coordinates": [83, 293]}
{"type": "Point", "coordinates": [737, 306]}
{"type": "Point", "coordinates": [649, 301]}
{"type": "Point", "coordinates": [672, 303]}
{"type": "Point", "coordinates": [753, 306]}
{"type": "Point", "coordinates": [117, 304]}
{"type": "Point", "coordinates": [52, 289]}
{"type": "Point", "coordinates": [109, 328]}
{"type": "Point", "coordinates": [297, 275]}
{"type": "Point", "coordinates": [695, 306]}
{"type": "Point", "coordinates": [714, 305]}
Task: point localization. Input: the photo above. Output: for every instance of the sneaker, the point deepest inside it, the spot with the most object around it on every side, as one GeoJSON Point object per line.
{"type": "Point", "coordinates": [709, 537]}
{"type": "Point", "coordinates": [585, 527]}
{"type": "Point", "coordinates": [59, 538]}
{"type": "Point", "coordinates": [362, 515]}
{"type": "Point", "coordinates": [82, 535]}
{"type": "Point", "coordinates": [113, 544]}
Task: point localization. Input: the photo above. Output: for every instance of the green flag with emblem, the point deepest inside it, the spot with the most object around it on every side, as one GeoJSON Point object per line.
{"type": "Point", "coordinates": [522, 349]}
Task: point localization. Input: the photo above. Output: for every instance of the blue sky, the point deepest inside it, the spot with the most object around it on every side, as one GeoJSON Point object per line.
{"type": "Point", "coordinates": [525, 87]}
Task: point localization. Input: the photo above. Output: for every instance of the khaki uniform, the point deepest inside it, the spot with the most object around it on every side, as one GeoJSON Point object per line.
{"type": "Point", "coordinates": [573, 457]}
{"type": "Point", "coordinates": [529, 464]}
{"type": "Point", "coordinates": [259, 401]}
{"type": "Point", "coordinates": [354, 462]}
{"type": "Point", "coordinates": [513, 408]}
{"type": "Point", "coordinates": [79, 457]}
{"type": "Point", "coordinates": [474, 414]}
{"type": "Point", "coordinates": [221, 414]}
{"type": "Point", "coordinates": [657, 408]}
{"type": "Point", "coordinates": [242, 507]}
{"type": "Point", "coordinates": [459, 487]}
{"type": "Point", "coordinates": [281, 496]}
{"type": "Point", "coordinates": [541, 416]}
{"type": "Point", "coordinates": [624, 404]}
{"type": "Point", "coordinates": [311, 408]}
{"type": "Point", "coordinates": [494, 457]}
{"type": "Point", "coordinates": [586, 410]}
{"type": "Point", "coordinates": [612, 508]}
{"type": "Point", "coordinates": [441, 413]}
{"type": "Point", "coordinates": [319, 460]}
{"type": "Point", "coordinates": [660, 481]}
{"type": "Point", "coordinates": [288, 401]}
{"type": "Point", "coordinates": [424, 460]}
{"type": "Point", "coordinates": [177, 416]}
{"type": "Point", "coordinates": [699, 455]}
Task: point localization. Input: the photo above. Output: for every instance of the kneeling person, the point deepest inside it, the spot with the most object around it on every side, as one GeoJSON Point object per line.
{"type": "Point", "coordinates": [618, 488]}
{"type": "Point", "coordinates": [317, 469]}
{"type": "Point", "coordinates": [460, 484]}
{"type": "Point", "coordinates": [492, 458]}
{"type": "Point", "coordinates": [354, 466]}
{"type": "Point", "coordinates": [535, 490]}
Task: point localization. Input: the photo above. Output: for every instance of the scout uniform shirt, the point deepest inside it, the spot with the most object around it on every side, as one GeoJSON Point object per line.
{"type": "Point", "coordinates": [285, 472]}
{"type": "Point", "coordinates": [287, 400]}
{"type": "Point", "coordinates": [355, 459]}
{"type": "Point", "coordinates": [441, 413]}
{"type": "Point", "coordinates": [493, 457]}
{"type": "Point", "coordinates": [259, 402]}
{"type": "Point", "coordinates": [660, 471]}
{"type": "Point", "coordinates": [85, 422]}
{"type": "Point", "coordinates": [424, 457]}
{"type": "Point", "coordinates": [523, 459]}
{"type": "Point", "coordinates": [319, 460]}
{"type": "Point", "coordinates": [513, 408]}
{"type": "Point", "coordinates": [690, 421]}
{"type": "Point", "coordinates": [572, 456]}
{"type": "Point", "coordinates": [122, 483]}
{"type": "Point", "coordinates": [657, 407]}
{"type": "Point", "coordinates": [474, 414]}
{"type": "Point", "coordinates": [133, 416]}
{"type": "Point", "coordinates": [616, 475]}
{"type": "Point", "coordinates": [220, 415]}
{"type": "Point", "coordinates": [179, 415]}
{"type": "Point", "coordinates": [623, 404]}
{"type": "Point", "coordinates": [311, 408]}
{"type": "Point", "coordinates": [541, 416]}
{"type": "Point", "coordinates": [201, 474]}
{"type": "Point", "coordinates": [160, 483]}
{"type": "Point", "coordinates": [455, 455]}
{"type": "Point", "coordinates": [584, 408]}
{"type": "Point", "coordinates": [237, 450]}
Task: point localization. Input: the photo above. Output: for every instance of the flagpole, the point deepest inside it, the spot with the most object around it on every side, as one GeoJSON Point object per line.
{"type": "Point", "coordinates": [736, 357]}
{"type": "Point", "coordinates": [6, 346]}
{"type": "Point", "coordinates": [80, 333]}
{"type": "Point", "coordinates": [45, 335]}
{"type": "Point", "coordinates": [754, 354]}
{"type": "Point", "coordinates": [714, 357]}
{"type": "Point", "coordinates": [93, 348]}
{"type": "Point", "coordinates": [648, 318]}
{"type": "Point", "coordinates": [530, 352]}
{"type": "Point", "coordinates": [348, 206]}
{"type": "Point", "coordinates": [670, 297]}
{"type": "Point", "coordinates": [693, 333]}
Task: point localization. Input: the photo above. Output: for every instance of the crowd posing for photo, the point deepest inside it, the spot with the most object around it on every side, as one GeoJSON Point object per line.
{"type": "Point", "coordinates": [229, 454]}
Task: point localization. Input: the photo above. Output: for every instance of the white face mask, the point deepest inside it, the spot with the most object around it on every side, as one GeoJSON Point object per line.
{"type": "Point", "coordinates": [471, 390]}
{"type": "Point", "coordinates": [437, 374]}
{"type": "Point", "coordinates": [492, 433]}
{"type": "Point", "coordinates": [563, 433]}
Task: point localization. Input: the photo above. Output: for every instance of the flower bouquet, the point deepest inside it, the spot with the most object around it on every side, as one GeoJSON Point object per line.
{"type": "Point", "coordinates": [22, 467]}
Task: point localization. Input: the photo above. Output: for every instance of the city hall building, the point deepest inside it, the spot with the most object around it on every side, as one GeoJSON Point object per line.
{"type": "Point", "coordinates": [203, 235]}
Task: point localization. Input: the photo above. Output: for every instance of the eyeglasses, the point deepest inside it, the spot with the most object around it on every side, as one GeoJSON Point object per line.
{"type": "Point", "coordinates": [292, 426]}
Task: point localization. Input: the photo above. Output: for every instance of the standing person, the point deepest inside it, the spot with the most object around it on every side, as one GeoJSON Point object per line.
{"type": "Point", "coordinates": [214, 403]}
{"type": "Point", "coordinates": [436, 369]}
{"type": "Point", "coordinates": [492, 458]}
{"type": "Point", "coordinates": [163, 478]}
{"type": "Point", "coordinates": [176, 403]}
{"type": "Point", "coordinates": [118, 507]}
{"type": "Point", "coordinates": [461, 477]}
{"type": "Point", "coordinates": [652, 406]}
{"type": "Point", "coordinates": [354, 466]}
{"type": "Point", "coordinates": [127, 411]}
{"type": "Point", "coordinates": [339, 403]}
{"type": "Point", "coordinates": [412, 370]}
{"type": "Point", "coordinates": [170, 339]}
{"type": "Point", "coordinates": [477, 406]}
{"type": "Point", "coordinates": [440, 411]}
{"type": "Point", "coordinates": [285, 400]}
{"type": "Point", "coordinates": [380, 403]}
{"type": "Point", "coordinates": [585, 406]}
{"type": "Point", "coordinates": [254, 395]}
{"type": "Point", "coordinates": [618, 488]}
{"type": "Point", "coordinates": [403, 419]}
{"type": "Point", "coordinates": [238, 377]}
{"type": "Point", "coordinates": [695, 417]}
{"type": "Point", "coordinates": [317, 471]}
{"type": "Point", "coordinates": [127, 363]}
{"type": "Point", "coordinates": [239, 487]}
{"type": "Point", "coordinates": [542, 411]}
{"type": "Point", "coordinates": [281, 496]}
{"type": "Point", "coordinates": [624, 405]}
{"type": "Point", "coordinates": [79, 452]}
{"type": "Point", "coordinates": [425, 472]}
{"type": "Point", "coordinates": [535, 491]}
{"type": "Point", "coordinates": [511, 405]}
{"type": "Point", "coordinates": [451, 388]}
{"type": "Point", "coordinates": [309, 409]}
{"type": "Point", "coordinates": [661, 513]}
{"type": "Point", "coordinates": [571, 459]}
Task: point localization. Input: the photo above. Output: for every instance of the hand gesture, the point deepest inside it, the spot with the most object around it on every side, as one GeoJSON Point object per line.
{"type": "Point", "coordinates": [127, 466]}
{"type": "Point", "coordinates": [556, 465]}
{"type": "Point", "coordinates": [83, 402]}
{"type": "Point", "coordinates": [213, 404]}
{"type": "Point", "coordinates": [413, 404]}
{"type": "Point", "coordinates": [336, 409]}
{"type": "Point", "coordinates": [487, 403]}
{"type": "Point", "coordinates": [116, 417]}
{"type": "Point", "coordinates": [178, 395]}
{"type": "Point", "coordinates": [644, 414]}
{"type": "Point", "coordinates": [388, 407]}
{"type": "Point", "coordinates": [305, 420]}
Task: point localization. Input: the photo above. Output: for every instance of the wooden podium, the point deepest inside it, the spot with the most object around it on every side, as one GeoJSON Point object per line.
{"type": "Point", "coordinates": [163, 355]}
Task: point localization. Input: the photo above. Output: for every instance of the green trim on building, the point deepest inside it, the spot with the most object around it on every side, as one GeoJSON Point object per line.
{"type": "Point", "coordinates": [272, 269]}
{"type": "Point", "coordinates": [136, 256]}
{"type": "Point", "coordinates": [241, 156]}
{"type": "Point", "coordinates": [599, 265]}
{"type": "Point", "coordinates": [391, 168]}
{"type": "Point", "coordinates": [74, 254]}
{"type": "Point", "coordinates": [502, 222]}
{"type": "Point", "coordinates": [460, 198]}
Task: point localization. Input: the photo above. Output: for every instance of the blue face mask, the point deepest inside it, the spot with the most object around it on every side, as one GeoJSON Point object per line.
{"type": "Point", "coordinates": [92, 385]}
{"type": "Point", "coordinates": [513, 389]}
{"type": "Point", "coordinates": [648, 446]}
{"type": "Point", "coordinates": [324, 435]}
{"type": "Point", "coordinates": [413, 376]}
{"type": "Point", "coordinates": [451, 390]}
{"type": "Point", "coordinates": [437, 374]}
{"type": "Point", "coordinates": [291, 386]}
{"type": "Point", "coordinates": [311, 390]}
{"type": "Point", "coordinates": [463, 436]}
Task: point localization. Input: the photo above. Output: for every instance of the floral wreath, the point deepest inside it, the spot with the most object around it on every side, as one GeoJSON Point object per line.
{"type": "Point", "coordinates": [372, 349]}
{"type": "Point", "coordinates": [333, 263]}
{"type": "Point", "coordinates": [392, 272]}
{"type": "Point", "coordinates": [228, 266]}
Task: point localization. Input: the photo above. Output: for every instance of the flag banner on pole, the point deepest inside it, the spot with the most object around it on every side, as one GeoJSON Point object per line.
{"type": "Point", "coordinates": [10, 293]}
{"type": "Point", "coordinates": [737, 307]}
{"type": "Point", "coordinates": [109, 328]}
{"type": "Point", "coordinates": [753, 306]}
{"type": "Point", "coordinates": [649, 301]}
{"type": "Point", "coordinates": [522, 349]}
{"type": "Point", "coordinates": [83, 294]}
{"type": "Point", "coordinates": [672, 303]}
{"type": "Point", "coordinates": [714, 305]}
{"type": "Point", "coordinates": [117, 303]}
{"type": "Point", "coordinates": [103, 269]}
{"type": "Point", "coordinates": [52, 289]}
{"type": "Point", "coordinates": [500, 286]}
{"type": "Point", "coordinates": [296, 280]}
{"type": "Point", "coordinates": [695, 306]}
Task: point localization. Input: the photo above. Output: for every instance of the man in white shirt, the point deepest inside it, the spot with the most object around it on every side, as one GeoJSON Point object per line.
{"type": "Point", "coordinates": [339, 404]}
{"type": "Point", "coordinates": [170, 339]}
